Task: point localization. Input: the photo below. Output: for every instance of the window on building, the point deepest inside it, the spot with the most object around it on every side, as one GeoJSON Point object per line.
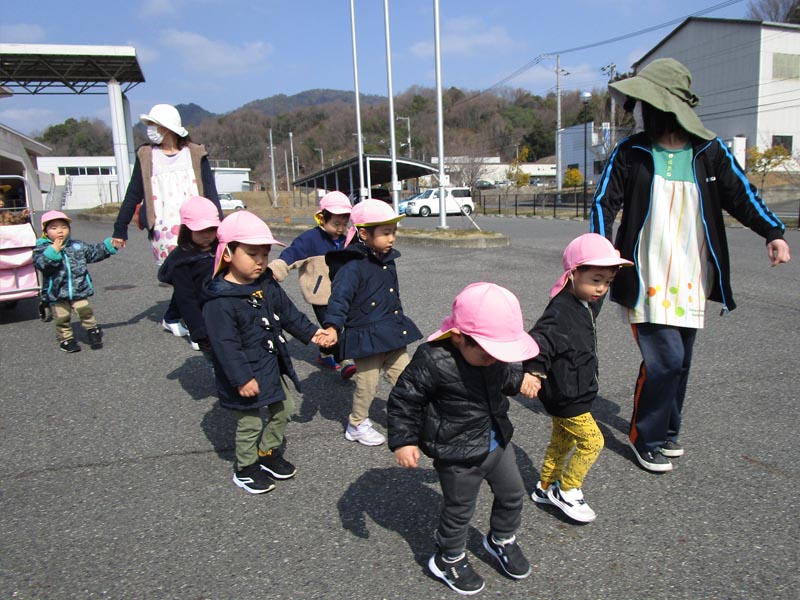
{"type": "Point", "coordinates": [783, 140]}
{"type": "Point", "coordinates": [597, 168]}
{"type": "Point", "coordinates": [573, 166]}
{"type": "Point", "coordinates": [785, 66]}
{"type": "Point", "coordinates": [106, 171]}
{"type": "Point", "coordinates": [93, 170]}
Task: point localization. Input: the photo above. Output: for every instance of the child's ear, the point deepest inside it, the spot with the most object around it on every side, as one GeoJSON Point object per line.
{"type": "Point", "coordinates": [227, 254]}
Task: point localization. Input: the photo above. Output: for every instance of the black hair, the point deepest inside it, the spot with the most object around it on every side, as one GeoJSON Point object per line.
{"type": "Point", "coordinates": [186, 243]}
{"type": "Point", "coordinates": [658, 122]}
{"type": "Point", "coordinates": [469, 340]}
{"type": "Point", "coordinates": [582, 268]}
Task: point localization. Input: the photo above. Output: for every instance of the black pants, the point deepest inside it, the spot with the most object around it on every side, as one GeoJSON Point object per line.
{"type": "Point", "coordinates": [460, 486]}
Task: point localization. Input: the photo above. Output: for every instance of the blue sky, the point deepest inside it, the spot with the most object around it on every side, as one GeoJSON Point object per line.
{"type": "Point", "coordinates": [221, 54]}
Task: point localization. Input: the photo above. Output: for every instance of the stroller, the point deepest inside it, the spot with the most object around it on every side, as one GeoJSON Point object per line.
{"type": "Point", "coordinates": [18, 277]}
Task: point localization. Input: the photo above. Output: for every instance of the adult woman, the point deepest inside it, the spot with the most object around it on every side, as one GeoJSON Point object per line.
{"type": "Point", "coordinates": [167, 171]}
{"type": "Point", "coordinates": [672, 181]}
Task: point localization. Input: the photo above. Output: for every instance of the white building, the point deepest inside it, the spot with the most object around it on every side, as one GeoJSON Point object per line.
{"type": "Point", "coordinates": [86, 181]}
{"type": "Point", "coordinates": [747, 74]}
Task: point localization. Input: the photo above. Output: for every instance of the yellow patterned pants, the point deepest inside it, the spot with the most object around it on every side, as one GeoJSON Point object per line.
{"type": "Point", "coordinates": [580, 433]}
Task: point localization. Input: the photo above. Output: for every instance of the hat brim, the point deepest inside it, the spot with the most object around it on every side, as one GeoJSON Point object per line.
{"type": "Point", "coordinates": [180, 132]}
{"type": "Point", "coordinates": [521, 348]}
{"type": "Point", "coordinates": [598, 262]}
{"type": "Point", "coordinates": [660, 98]}
{"type": "Point", "coordinates": [202, 225]}
{"type": "Point", "coordinates": [386, 222]}
{"type": "Point", "coordinates": [254, 241]}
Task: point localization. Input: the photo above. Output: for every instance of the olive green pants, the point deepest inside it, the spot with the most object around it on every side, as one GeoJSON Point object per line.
{"type": "Point", "coordinates": [254, 432]}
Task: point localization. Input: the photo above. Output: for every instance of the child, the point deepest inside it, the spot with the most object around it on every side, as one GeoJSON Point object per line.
{"type": "Point", "coordinates": [190, 265]}
{"type": "Point", "coordinates": [307, 253]}
{"type": "Point", "coordinates": [246, 312]}
{"type": "Point", "coordinates": [567, 370]}
{"type": "Point", "coordinates": [365, 313]}
{"type": "Point", "coordinates": [66, 284]}
{"type": "Point", "coordinates": [451, 403]}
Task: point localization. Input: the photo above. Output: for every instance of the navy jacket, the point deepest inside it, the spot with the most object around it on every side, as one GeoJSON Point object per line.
{"type": "Point", "coordinates": [567, 341]}
{"type": "Point", "coordinates": [65, 275]}
{"type": "Point", "coordinates": [626, 184]}
{"type": "Point", "coordinates": [246, 325]}
{"type": "Point", "coordinates": [364, 306]}
{"type": "Point", "coordinates": [448, 408]}
{"type": "Point", "coordinates": [188, 272]}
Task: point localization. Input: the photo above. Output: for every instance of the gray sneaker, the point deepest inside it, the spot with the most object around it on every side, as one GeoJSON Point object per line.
{"type": "Point", "coordinates": [655, 462]}
{"type": "Point", "coordinates": [672, 449]}
{"type": "Point", "coordinates": [365, 434]}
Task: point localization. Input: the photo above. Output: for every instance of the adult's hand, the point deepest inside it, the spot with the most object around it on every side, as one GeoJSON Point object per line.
{"type": "Point", "coordinates": [778, 251]}
{"type": "Point", "coordinates": [117, 243]}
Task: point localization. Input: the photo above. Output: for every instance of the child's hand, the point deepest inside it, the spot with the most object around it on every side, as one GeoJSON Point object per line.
{"type": "Point", "coordinates": [530, 386]}
{"type": "Point", "coordinates": [249, 389]}
{"type": "Point", "coordinates": [407, 456]}
{"type": "Point", "coordinates": [328, 337]}
{"type": "Point", "coordinates": [58, 244]}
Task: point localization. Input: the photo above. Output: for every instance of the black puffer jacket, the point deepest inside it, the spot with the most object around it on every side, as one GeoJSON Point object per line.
{"type": "Point", "coordinates": [448, 407]}
{"type": "Point", "coordinates": [188, 271]}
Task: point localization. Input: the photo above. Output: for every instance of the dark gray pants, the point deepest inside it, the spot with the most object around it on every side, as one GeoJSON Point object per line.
{"type": "Point", "coordinates": [460, 486]}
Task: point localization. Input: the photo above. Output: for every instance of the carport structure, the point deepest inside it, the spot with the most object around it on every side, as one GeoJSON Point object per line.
{"type": "Point", "coordinates": [86, 70]}
{"type": "Point", "coordinates": [344, 176]}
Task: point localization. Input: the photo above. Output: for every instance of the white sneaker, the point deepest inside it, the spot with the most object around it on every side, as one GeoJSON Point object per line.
{"type": "Point", "coordinates": [365, 434]}
{"type": "Point", "coordinates": [176, 328]}
{"type": "Point", "coordinates": [195, 346]}
{"type": "Point", "coordinates": [571, 503]}
{"type": "Point", "coordinates": [539, 495]}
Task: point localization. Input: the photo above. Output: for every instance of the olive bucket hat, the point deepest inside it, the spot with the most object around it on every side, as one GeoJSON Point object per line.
{"type": "Point", "coordinates": [666, 85]}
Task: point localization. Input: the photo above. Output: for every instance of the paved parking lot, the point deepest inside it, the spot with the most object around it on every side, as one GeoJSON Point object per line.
{"type": "Point", "coordinates": [116, 464]}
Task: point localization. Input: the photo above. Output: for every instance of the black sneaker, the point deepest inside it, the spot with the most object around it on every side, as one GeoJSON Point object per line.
{"type": "Point", "coordinates": [277, 466]}
{"type": "Point", "coordinates": [458, 574]}
{"type": "Point", "coordinates": [509, 555]}
{"type": "Point", "coordinates": [253, 480]}
{"type": "Point", "coordinates": [95, 338]}
{"type": "Point", "coordinates": [70, 345]}
{"type": "Point", "coordinates": [45, 314]}
{"type": "Point", "coordinates": [655, 462]}
{"type": "Point", "coordinates": [672, 449]}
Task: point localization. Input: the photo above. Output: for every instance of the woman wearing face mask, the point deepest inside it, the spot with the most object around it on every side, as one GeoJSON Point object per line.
{"type": "Point", "coordinates": [168, 170]}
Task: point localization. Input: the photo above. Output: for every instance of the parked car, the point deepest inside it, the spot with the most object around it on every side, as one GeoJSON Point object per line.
{"type": "Point", "coordinates": [228, 202]}
{"type": "Point", "coordinates": [457, 201]}
{"type": "Point", "coordinates": [483, 184]}
{"type": "Point", "coordinates": [401, 207]}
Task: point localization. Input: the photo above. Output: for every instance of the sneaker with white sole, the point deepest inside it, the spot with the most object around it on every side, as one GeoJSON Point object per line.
{"type": "Point", "coordinates": [176, 328]}
{"type": "Point", "coordinates": [277, 466]}
{"type": "Point", "coordinates": [253, 480]}
{"type": "Point", "coordinates": [571, 503]}
{"type": "Point", "coordinates": [655, 462]}
{"type": "Point", "coordinates": [539, 494]}
{"type": "Point", "coordinates": [365, 434]}
{"type": "Point", "coordinates": [457, 574]}
{"type": "Point", "coordinates": [672, 449]}
{"type": "Point", "coordinates": [508, 554]}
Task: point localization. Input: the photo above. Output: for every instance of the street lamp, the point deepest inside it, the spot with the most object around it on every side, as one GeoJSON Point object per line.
{"type": "Point", "coordinates": [408, 137]}
{"type": "Point", "coordinates": [586, 97]}
{"type": "Point", "coordinates": [321, 157]}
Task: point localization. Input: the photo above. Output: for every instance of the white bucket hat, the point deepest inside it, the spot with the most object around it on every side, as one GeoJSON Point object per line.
{"type": "Point", "coordinates": [167, 116]}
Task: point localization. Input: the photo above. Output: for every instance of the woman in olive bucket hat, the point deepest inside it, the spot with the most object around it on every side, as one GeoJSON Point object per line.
{"type": "Point", "coordinates": [671, 182]}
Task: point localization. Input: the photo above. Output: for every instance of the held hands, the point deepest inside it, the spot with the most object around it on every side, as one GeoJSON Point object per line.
{"type": "Point", "coordinates": [325, 338]}
{"type": "Point", "coordinates": [249, 389]}
{"type": "Point", "coordinates": [778, 251]}
{"type": "Point", "coordinates": [530, 386]}
{"type": "Point", "coordinates": [117, 243]}
{"type": "Point", "coordinates": [407, 456]}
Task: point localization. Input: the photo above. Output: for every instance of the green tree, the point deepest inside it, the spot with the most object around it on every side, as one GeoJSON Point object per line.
{"type": "Point", "coordinates": [573, 178]}
{"type": "Point", "coordinates": [764, 163]}
{"type": "Point", "coordinates": [78, 138]}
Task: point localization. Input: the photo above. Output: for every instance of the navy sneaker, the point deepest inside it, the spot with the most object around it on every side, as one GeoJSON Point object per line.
{"type": "Point", "coordinates": [95, 338]}
{"type": "Point", "coordinates": [509, 555]}
{"type": "Point", "coordinates": [458, 574]}
{"type": "Point", "coordinates": [655, 462]}
{"type": "Point", "coordinates": [672, 449]}
{"type": "Point", "coordinates": [69, 345]}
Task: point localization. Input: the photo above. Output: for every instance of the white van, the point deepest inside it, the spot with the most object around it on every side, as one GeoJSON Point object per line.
{"type": "Point", "coordinates": [458, 200]}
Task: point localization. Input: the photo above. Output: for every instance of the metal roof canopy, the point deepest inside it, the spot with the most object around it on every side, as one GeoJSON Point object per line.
{"type": "Point", "coordinates": [377, 169]}
{"type": "Point", "coordinates": [57, 69]}
{"type": "Point", "coordinates": [90, 70]}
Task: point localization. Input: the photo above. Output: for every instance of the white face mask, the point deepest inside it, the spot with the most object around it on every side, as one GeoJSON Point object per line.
{"type": "Point", "coordinates": [638, 119]}
{"type": "Point", "coordinates": [153, 135]}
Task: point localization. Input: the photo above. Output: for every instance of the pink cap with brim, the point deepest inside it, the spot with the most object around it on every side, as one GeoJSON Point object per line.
{"type": "Point", "coordinates": [590, 249]}
{"type": "Point", "coordinates": [244, 227]}
{"type": "Point", "coordinates": [491, 315]}
{"type": "Point", "coordinates": [371, 212]}
{"type": "Point", "coordinates": [335, 203]}
{"type": "Point", "coordinates": [199, 213]}
{"type": "Point", "coordinates": [52, 215]}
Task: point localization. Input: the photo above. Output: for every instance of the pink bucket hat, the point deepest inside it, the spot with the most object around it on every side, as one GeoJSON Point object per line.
{"type": "Point", "coordinates": [199, 213]}
{"type": "Point", "coordinates": [335, 203]}
{"type": "Point", "coordinates": [589, 249]}
{"type": "Point", "coordinates": [491, 315]}
{"type": "Point", "coordinates": [242, 226]}
{"type": "Point", "coordinates": [371, 212]}
{"type": "Point", "coordinates": [52, 215]}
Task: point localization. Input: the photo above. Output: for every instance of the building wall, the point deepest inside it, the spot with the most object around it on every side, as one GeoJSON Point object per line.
{"type": "Point", "coordinates": [16, 160]}
{"type": "Point", "coordinates": [779, 96]}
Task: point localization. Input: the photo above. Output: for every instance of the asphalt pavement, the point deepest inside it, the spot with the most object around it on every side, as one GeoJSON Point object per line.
{"type": "Point", "coordinates": [115, 477]}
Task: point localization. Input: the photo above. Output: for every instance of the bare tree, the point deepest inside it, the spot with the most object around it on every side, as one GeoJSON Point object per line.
{"type": "Point", "coordinates": [778, 11]}
{"type": "Point", "coordinates": [471, 170]}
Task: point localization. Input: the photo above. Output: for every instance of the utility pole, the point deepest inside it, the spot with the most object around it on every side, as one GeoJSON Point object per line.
{"type": "Point", "coordinates": [408, 130]}
{"type": "Point", "coordinates": [272, 170]}
{"type": "Point", "coordinates": [611, 70]}
{"type": "Point", "coordinates": [286, 164]}
{"type": "Point", "coordinates": [559, 169]}
{"type": "Point", "coordinates": [294, 175]}
{"type": "Point", "coordinates": [321, 157]}
{"type": "Point", "coordinates": [362, 190]}
{"type": "Point", "coordinates": [395, 187]}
